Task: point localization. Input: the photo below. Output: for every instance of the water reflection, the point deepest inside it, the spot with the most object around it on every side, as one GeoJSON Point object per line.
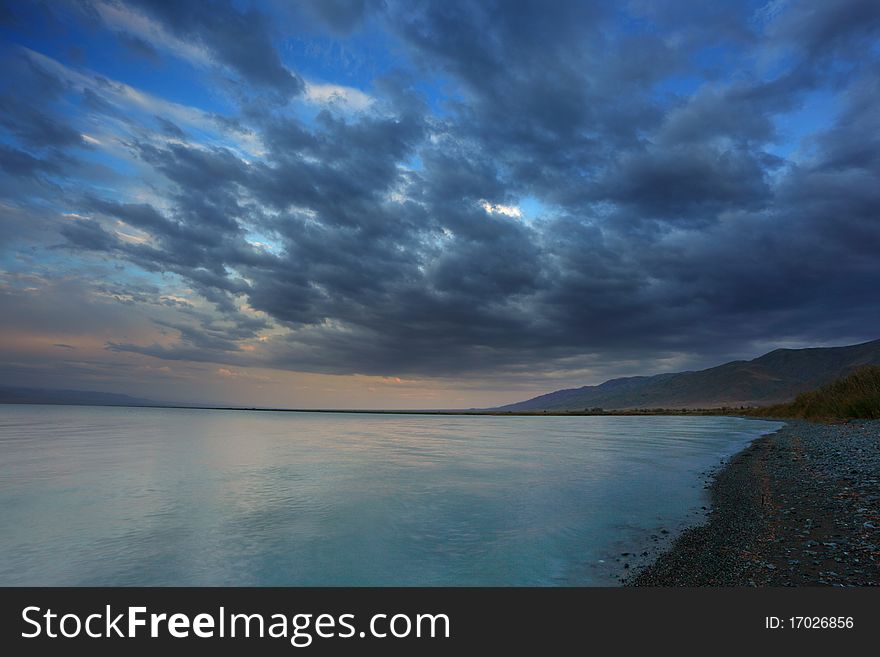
{"type": "Point", "coordinates": [113, 496]}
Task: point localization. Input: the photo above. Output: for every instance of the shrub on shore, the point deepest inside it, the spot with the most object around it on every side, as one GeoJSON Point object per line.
{"type": "Point", "coordinates": [856, 395]}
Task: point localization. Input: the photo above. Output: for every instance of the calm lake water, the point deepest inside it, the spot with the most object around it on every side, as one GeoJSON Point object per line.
{"type": "Point", "coordinates": [123, 496]}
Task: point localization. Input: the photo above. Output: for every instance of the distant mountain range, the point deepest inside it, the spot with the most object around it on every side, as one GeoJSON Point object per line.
{"type": "Point", "coordinates": [773, 378]}
{"type": "Point", "coordinates": [12, 395]}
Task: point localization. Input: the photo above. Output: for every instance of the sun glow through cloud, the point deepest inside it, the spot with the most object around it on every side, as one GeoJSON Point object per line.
{"type": "Point", "coordinates": [506, 210]}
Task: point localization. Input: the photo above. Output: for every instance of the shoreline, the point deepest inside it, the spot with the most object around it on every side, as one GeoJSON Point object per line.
{"type": "Point", "coordinates": [797, 507]}
{"type": "Point", "coordinates": [695, 412]}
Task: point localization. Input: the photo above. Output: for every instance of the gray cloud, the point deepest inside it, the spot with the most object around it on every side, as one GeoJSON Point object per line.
{"type": "Point", "coordinates": [819, 29]}
{"type": "Point", "coordinates": [674, 218]}
{"type": "Point", "coordinates": [342, 16]}
{"type": "Point", "coordinates": [238, 39]}
{"type": "Point", "coordinates": [19, 163]}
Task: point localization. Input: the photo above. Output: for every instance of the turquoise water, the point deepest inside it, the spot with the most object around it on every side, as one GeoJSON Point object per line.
{"type": "Point", "coordinates": [123, 496]}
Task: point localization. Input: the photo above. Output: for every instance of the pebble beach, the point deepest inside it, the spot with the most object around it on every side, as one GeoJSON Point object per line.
{"type": "Point", "coordinates": [799, 507]}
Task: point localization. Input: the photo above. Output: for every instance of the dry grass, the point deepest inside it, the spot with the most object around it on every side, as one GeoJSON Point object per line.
{"type": "Point", "coordinates": [856, 395]}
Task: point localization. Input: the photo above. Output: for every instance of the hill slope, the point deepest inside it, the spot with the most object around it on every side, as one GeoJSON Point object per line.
{"type": "Point", "coordinates": [775, 377]}
{"type": "Point", "coordinates": [15, 395]}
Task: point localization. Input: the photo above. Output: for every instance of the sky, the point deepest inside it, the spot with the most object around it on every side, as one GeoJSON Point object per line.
{"type": "Point", "coordinates": [400, 204]}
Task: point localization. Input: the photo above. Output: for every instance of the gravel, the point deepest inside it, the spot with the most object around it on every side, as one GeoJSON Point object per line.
{"type": "Point", "coordinates": [799, 507]}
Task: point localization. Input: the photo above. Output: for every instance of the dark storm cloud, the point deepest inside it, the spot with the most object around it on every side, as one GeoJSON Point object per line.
{"type": "Point", "coordinates": [194, 249]}
{"type": "Point", "coordinates": [534, 99]}
{"type": "Point", "coordinates": [675, 214]}
{"type": "Point", "coordinates": [238, 39]}
{"type": "Point", "coordinates": [18, 163]}
{"type": "Point", "coordinates": [38, 137]}
{"type": "Point", "coordinates": [687, 181]}
{"type": "Point", "coordinates": [35, 128]}
{"type": "Point", "coordinates": [88, 234]}
{"type": "Point", "coordinates": [819, 29]}
{"type": "Point", "coordinates": [435, 285]}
